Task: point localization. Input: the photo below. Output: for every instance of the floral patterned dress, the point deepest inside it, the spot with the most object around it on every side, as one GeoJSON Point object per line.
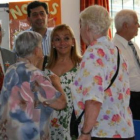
{"type": "Point", "coordinates": [22, 113]}
{"type": "Point", "coordinates": [60, 122]}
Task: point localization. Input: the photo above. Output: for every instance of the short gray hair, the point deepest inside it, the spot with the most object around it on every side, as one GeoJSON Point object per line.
{"type": "Point", "coordinates": [26, 42]}
{"type": "Point", "coordinates": [97, 18]}
{"type": "Point", "coordinates": [125, 15]}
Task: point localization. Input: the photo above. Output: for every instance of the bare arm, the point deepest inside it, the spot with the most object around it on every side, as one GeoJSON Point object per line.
{"type": "Point", "coordinates": [59, 103]}
{"type": "Point", "coordinates": [56, 103]}
{"type": "Point", "coordinates": [92, 109]}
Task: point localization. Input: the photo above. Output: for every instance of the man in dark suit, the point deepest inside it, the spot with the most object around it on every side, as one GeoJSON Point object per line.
{"type": "Point", "coordinates": [7, 58]}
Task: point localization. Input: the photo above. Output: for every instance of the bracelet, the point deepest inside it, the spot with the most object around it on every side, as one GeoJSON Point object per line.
{"type": "Point", "coordinates": [87, 133]}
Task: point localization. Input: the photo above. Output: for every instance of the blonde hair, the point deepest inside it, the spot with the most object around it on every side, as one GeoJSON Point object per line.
{"type": "Point", "coordinates": [75, 51]}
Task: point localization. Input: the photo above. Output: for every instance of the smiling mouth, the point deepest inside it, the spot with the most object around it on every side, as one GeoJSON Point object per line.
{"type": "Point", "coordinates": [39, 22]}
{"type": "Point", "coordinates": [63, 47]}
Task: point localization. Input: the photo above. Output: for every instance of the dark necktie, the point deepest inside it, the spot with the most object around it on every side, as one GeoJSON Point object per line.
{"type": "Point", "coordinates": [1, 77]}
{"type": "Point", "coordinates": [135, 52]}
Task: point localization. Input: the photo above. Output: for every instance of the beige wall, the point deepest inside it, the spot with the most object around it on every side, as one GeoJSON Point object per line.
{"type": "Point", "coordinates": [70, 15]}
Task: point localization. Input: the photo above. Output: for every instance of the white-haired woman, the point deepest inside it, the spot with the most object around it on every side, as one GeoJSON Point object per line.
{"type": "Point", "coordinates": [27, 98]}
{"type": "Point", "coordinates": [107, 114]}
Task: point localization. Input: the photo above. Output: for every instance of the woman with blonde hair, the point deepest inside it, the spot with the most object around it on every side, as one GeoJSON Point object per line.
{"type": "Point", "coordinates": [63, 61]}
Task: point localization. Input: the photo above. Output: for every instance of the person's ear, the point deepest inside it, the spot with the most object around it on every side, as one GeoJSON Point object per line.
{"type": "Point", "coordinates": [125, 25]}
{"type": "Point", "coordinates": [35, 51]}
{"type": "Point", "coordinates": [28, 19]}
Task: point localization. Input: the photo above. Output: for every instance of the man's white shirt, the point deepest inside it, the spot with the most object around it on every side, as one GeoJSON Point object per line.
{"type": "Point", "coordinates": [134, 69]}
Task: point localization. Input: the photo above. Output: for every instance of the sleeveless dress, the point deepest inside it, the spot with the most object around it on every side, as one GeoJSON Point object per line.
{"type": "Point", "coordinates": [60, 122]}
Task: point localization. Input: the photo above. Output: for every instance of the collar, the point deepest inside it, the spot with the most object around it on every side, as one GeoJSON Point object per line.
{"type": "Point", "coordinates": [122, 40]}
{"type": "Point", "coordinates": [31, 29]}
{"type": "Point", "coordinates": [102, 38]}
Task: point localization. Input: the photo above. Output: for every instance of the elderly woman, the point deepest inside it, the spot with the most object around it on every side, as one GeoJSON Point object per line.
{"type": "Point", "coordinates": [27, 98]}
{"type": "Point", "coordinates": [107, 114]}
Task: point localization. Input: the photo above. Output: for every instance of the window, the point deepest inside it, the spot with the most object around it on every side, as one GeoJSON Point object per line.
{"type": "Point", "coordinates": [117, 5]}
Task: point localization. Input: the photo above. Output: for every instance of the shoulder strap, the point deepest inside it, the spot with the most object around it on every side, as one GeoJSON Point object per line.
{"type": "Point", "coordinates": [44, 62]}
{"type": "Point", "coordinates": [115, 75]}
{"type": "Point", "coordinates": [78, 120]}
{"type": "Point", "coordinates": [112, 80]}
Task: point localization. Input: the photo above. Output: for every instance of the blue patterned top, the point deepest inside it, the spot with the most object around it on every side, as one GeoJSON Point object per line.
{"type": "Point", "coordinates": [23, 115]}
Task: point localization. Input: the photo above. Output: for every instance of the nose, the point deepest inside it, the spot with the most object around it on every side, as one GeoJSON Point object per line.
{"type": "Point", "coordinates": [39, 16]}
{"type": "Point", "coordinates": [62, 41]}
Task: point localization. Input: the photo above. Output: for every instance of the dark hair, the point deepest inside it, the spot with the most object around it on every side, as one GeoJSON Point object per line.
{"type": "Point", "coordinates": [35, 4]}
